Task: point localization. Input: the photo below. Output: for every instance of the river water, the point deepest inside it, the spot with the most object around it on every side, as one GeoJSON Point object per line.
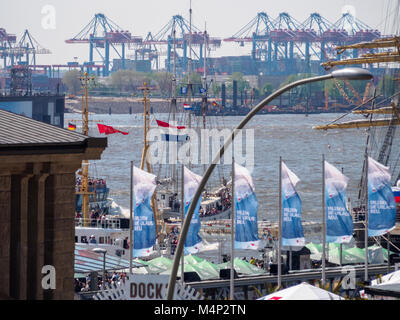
{"type": "Point", "coordinates": [287, 135]}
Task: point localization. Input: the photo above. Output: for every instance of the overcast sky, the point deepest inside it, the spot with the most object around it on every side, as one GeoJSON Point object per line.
{"type": "Point", "coordinates": [223, 18]}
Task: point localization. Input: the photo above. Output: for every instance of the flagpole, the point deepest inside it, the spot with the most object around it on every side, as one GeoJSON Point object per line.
{"type": "Point", "coordinates": [183, 218]}
{"type": "Point", "coordinates": [323, 223]}
{"type": "Point", "coordinates": [280, 226]}
{"type": "Point", "coordinates": [366, 218]}
{"type": "Point", "coordinates": [232, 285]}
{"type": "Point", "coordinates": [131, 223]}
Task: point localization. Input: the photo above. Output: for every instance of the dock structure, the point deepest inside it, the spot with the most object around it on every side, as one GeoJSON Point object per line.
{"type": "Point", "coordinates": [249, 288]}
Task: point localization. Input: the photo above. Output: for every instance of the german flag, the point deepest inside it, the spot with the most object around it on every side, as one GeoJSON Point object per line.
{"type": "Point", "coordinates": [71, 126]}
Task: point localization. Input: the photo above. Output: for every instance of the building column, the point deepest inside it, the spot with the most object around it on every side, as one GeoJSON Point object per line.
{"type": "Point", "coordinates": [23, 239]}
{"type": "Point", "coordinates": [5, 227]}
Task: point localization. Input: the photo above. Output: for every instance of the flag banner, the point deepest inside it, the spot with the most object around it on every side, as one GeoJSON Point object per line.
{"type": "Point", "coordinates": [109, 130]}
{"type": "Point", "coordinates": [174, 137]}
{"type": "Point", "coordinates": [193, 241]}
{"type": "Point", "coordinates": [246, 206]}
{"type": "Point", "coordinates": [339, 222]}
{"type": "Point", "coordinates": [396, 193]}
{"type": "Point", "coordinates": [167, 125]}
{"type": "Point", "coordinates": [187, 106]}
{"type": "Point", "coordinates": [144, 229]}
{"type": "Point", "coordinates": [292, 229]}
{"type": "Point", "coordinates": [381, 202]}
{"type": "Point", "coordinates": [71, 126]}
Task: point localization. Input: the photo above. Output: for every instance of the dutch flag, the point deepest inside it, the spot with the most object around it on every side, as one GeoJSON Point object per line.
{"type": "Point", "coordinates": [187, 106]}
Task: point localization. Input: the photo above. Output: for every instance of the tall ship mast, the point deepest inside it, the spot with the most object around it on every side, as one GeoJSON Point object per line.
{"type": "Point", "coordinates": [380, 119]}
{"type": "Point", "coordinates": [91, 194]}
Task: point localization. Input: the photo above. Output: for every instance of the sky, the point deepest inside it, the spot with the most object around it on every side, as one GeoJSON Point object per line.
{"type": "Point", "coordinates": [51, 22]}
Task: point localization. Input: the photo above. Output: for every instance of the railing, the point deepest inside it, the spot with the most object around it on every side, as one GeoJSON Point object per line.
{"type": "Point", "coordinates": [108, 223]}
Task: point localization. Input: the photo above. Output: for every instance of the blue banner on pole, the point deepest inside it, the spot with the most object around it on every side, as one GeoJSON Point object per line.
{"type": "Point", "coordinates": [144, 229]}
{"type": "Point", "coordinates": [193, 242]}
{"type": "Point", "coordinates": [381, 201]}
{"type": "Point", "coordinates": [292, 229]}
{"type": "Point", "coordinates": [339, 222]}
{"type": "Point", "coordinates": [246, 207]}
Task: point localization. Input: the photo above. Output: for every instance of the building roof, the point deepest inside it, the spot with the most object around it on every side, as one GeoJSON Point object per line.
{"type": "Point", "coordinates": [87, 260]}
{"type": "Point", "coordinates": [20, 133]}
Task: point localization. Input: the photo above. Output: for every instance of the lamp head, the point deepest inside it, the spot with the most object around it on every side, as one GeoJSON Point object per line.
{"type": "Point", "coordinates": [352, 74]}
{"type": "Point", "coordinates": [99, 250]}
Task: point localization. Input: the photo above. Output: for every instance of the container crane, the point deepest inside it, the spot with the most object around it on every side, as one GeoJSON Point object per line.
{"type": "Point", "coordinates": [102, 34]}
{"type": "Point", "coordinates": [22, 52]}
{"type": "Point", "coordinates": [182, 29]}
{"type": "Point", "coordinates": [255, 32]}
{"type": "Point", "coordinates": [7, 42]}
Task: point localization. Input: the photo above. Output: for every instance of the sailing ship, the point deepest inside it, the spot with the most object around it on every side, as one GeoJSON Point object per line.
{"type": "Point", "coordinates": [381, 121]}
{"type": "Point", "coordinates": [216, 204]}
{"type": "Point", "coordinates": [97, 222]}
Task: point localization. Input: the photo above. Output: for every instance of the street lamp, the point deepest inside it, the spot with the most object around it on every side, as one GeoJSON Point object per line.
{"type": "Point", "coordinates": [341, 74]}
{"type": "Point", "coordinates": [103, 251]}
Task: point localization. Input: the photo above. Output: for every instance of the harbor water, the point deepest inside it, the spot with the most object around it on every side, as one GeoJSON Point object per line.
{"type": "Point", "coordinates": [290, 136]}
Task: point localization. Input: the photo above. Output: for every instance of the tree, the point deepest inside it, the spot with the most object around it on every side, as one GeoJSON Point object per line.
{"type": "Point", "coordinates": [71, 80]}
{"type": "Point", "coordinates": [128, 80]}
{"type": "Point", "coordinates": [242, 84]}
{"type": "Point", "coordinates": [164, 81]}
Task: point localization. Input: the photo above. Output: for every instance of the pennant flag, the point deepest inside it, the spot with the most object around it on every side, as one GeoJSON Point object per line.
{"type": "Point", "coordinates": [292, 229]}
{"type": "Point", "coordinates": [109, 130]}
{"type": "Point", "coordinates": [193, 241]}
{"type": "Point", "coordinates": [381, 202]}
{"type": "Point", "coordinates": [144, 229]}
{"type": "Point", "coordinates": [167, 125]}
{"type": "Point", "coordinates": [246, 205]}
{"type": "Point", "coordinates": [187, 106]}
{"type": "Point", "coordinates": [174, 137]}
{"type": "Point", "coordinates": [339, 222]}
{"type": "Point", "coordinates": [71, 126]}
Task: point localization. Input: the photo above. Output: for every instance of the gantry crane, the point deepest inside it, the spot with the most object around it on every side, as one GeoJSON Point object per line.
{"type": "Point", "coordinates": [102, 33]}
{"type": "Point", "coordinates": [22, 52]}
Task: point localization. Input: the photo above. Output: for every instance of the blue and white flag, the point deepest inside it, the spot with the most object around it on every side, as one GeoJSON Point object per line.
{"type": "Point", "coordinates": [174, 137]}
{"type": "Point", "coordinates": [339, 222]}
{"type": "Point", "coordinates": [246, 205]}
{"type": "Point", "coordinates": [144, 229]}
{"type": "Point", "coordinates": [381, 202]}
{"type": "Point", "coordinates": [193, 242]}
{"type": "Point", "coordinates": [292, 229]}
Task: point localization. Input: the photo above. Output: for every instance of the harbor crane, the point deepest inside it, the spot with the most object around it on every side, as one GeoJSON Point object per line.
{"type": "Point", "coordinates": [102, 34]}
{"type": "Point", "coordinates": [184, 33]}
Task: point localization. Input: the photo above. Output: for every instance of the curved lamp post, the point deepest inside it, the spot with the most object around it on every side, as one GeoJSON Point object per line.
{"type": "Point", "coordinates": [102, 251]}
{"type": "Point", "coordinates": [342, 74]}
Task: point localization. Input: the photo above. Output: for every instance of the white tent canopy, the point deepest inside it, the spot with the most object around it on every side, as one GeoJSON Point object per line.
{"type": "Point", "coordinates": [389, 282]}
{"type": "Point", "coordinates": [302, 291]}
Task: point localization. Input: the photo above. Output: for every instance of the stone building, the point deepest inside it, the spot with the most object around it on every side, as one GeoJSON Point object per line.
{"type": "Point", "coordinates": [38, 162]}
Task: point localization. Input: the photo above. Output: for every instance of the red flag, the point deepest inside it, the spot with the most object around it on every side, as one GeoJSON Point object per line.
{"type": "Point", "coordinates": [167, 125]}
{"type": "Point", "coordinates": [109, 130]}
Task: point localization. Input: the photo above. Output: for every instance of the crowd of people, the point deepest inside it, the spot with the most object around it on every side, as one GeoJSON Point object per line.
{"type": "Point", "coordinates": [97, 219]}
{"type": "Point", "coordinates": [84, 284]}
{"type": "Point", "coordinates": [222, 205]}
{"type": "Point", "coordinates": [98, 183]}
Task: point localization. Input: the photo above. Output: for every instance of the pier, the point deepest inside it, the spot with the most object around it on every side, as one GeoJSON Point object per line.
{"type": "Point", "coordinates": [246, 287]}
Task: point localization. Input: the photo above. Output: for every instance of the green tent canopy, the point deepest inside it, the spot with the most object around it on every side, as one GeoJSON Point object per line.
{"type": "Point", "coordinates": [192, 259]}
{"type": "Point", "coordinates": [159, 264]}
{"type": "Point", "coordinates": [242, 267]}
